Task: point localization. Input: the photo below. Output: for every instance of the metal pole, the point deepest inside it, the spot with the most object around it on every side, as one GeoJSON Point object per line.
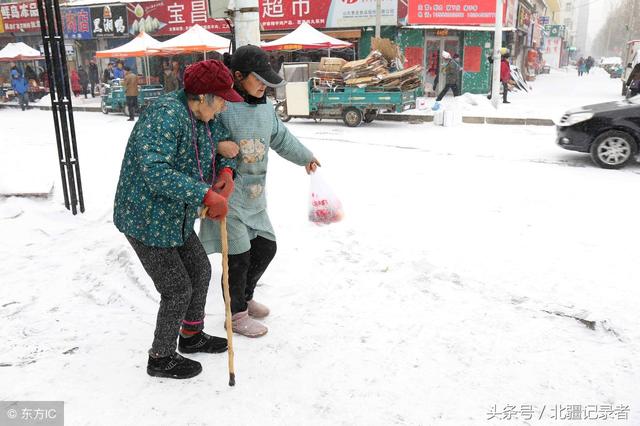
{"type": "Point", "coordinates": [378, 17]}
{"type": "Point", "coordinates": [497, 45]}
{"type": "Point", "coordinates": [61, 106]}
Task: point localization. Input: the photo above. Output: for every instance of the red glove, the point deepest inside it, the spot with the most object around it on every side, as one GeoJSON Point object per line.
{"type": "Point", "coordinates": [216, 205]}
{"type": "Point", "coordinates": [224, 183]}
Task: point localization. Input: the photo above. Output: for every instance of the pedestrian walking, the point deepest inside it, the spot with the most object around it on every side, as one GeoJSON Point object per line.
{"type": "Point", "coordinates": [171, 168]}
{"type": "Point", "coordinates": [255, 126]}
{"type": "Point", "coordinates": [451, 69]}
{"type": "Point", "coordinates": [131, 91]}
{"type": "Point", "coordinates": [20, 87]}
{"type": "Point", "coordinates": [84, 80]}
{"type": "Point", "coordinates": [94, 77]}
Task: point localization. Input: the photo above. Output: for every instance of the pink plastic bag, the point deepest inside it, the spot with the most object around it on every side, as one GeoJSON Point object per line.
{"type": "Point", "coordinates": [324, 205]}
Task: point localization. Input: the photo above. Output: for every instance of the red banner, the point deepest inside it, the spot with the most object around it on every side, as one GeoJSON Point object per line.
{"type": "Point", "coordinates": [171, 17]}
{"type": "Point", "coordinates": [285, 15]}
{"type": "Point", "coordinates": [453, 12]}
{"type": "Point", "coordinates": [19, 17]}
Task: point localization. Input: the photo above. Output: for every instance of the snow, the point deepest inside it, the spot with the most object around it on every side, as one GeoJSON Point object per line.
{"type": "Point", "coordinates": [547, 99]}
{"type": "Point", "coordinates": [448, 288]}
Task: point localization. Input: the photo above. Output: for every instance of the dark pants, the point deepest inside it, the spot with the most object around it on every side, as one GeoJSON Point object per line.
{"type": "Point", "coordinates": [132, 104]}
{"type": "Point", "coordinates": [453, 87]}
{"type": "Point", "coordinates": [93, 88]}
{"type": "Point", "coordinates": [23, 100]}
{"type": "Point", "coordinates": [505, 91]}
{"type": "Point", "coordinates": [84, 90]}
{"type": "Point", "coordinates": [181, 275]}
{"type": "Point", "coordinates": [245, 269]}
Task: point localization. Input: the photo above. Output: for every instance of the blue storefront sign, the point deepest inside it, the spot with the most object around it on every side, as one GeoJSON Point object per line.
{"type": "Point", "coordinates": [77, 23]}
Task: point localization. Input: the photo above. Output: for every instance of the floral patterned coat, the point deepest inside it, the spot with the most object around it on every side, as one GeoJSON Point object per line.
{"type": "Point", "coordinates": [160, 187]}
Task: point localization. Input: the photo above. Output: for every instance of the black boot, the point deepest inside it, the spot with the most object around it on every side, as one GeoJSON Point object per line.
{"type": "Point", "coordinates": [173, 367]}
{"type": "Point", "coordinates": [202, 342]}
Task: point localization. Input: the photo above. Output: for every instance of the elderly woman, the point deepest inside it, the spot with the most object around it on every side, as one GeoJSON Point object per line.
{"type": "Point", "coordinates": [171, 167]}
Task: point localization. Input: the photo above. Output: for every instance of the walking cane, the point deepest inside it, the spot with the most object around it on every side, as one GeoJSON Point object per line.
{"type": "Point", "coordinates": [225, 289]}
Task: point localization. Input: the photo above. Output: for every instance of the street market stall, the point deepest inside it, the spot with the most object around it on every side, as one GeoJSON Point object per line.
{"type": "Point", "coordinates": [196, 39]}
{"type": "Point", "coordinates": [20, 52]}
{"type": "Point", "coordinates": [306, 37]}
{"type": "Point", "coordinates": [113, 97]}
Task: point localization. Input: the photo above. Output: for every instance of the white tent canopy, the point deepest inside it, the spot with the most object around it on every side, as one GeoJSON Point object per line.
{"type": "Point", "coordinates": [19, 52]}
{"type": "Point", "coordinates": [196, 39]}
{"type": "Point", "coordinates": [142, 45]}
{"type": "Point", "coordinates": [305, 37]}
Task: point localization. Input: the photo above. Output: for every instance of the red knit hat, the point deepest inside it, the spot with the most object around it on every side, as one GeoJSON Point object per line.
{"type": "Point", "coordinates": [210, 77]}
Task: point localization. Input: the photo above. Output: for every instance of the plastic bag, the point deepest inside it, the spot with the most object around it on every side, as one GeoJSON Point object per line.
{"type": "Point", "coordinates": [324, 206]}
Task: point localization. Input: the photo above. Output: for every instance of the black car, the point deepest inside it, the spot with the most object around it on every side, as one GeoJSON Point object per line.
{"type": "Point", "coordinates": [610, 132]}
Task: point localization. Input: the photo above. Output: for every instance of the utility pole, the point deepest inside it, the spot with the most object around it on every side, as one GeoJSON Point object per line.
{"type": "Point", "coordinates": [378, 16]}
{"type": "Point", "coordinates": [497, 45]}
{"type": "Point", "coordinates": [246, 19]}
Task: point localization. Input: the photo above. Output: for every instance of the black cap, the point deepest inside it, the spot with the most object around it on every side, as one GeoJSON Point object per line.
{"type": "Point", "coordinates": [252, 59]}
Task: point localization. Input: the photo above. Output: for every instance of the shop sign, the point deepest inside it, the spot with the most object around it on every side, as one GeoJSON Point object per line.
{"type": "Point", "coordinates": [524, 18]}
{"type": "Point", "coordinates": [109, 21]}
{"type": "Point", "coordinates": [20, 17]}
{"type": "Point", "coordinates": [454, 12]}
{"type": "Point", "coordinates": [76, 23]}
{"type": "Point", "coordinates": [554, 30]}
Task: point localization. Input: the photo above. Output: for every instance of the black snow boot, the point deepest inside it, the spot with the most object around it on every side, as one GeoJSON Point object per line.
{"type": "Point", "coordinates": [173, 367]}
{"type": "Point", "coordinates": [202, 342]}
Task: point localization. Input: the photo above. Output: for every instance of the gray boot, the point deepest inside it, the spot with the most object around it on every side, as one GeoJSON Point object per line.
{"type": "Point", "coordinates": [243, 324]}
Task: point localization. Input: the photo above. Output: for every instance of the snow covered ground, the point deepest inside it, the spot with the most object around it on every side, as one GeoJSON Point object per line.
{"type": "Point", "coordinates": [477, 266]}
{"type": "Point", "coordinates": [550, 96]}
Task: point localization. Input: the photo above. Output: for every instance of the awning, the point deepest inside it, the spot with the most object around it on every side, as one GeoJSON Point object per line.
{"type": "Point", "coordinates": [19, 52]}
{"type": "Point", "coordinates": [340, 34]}
{"type": "Point", "coordinates": [454, 27]}
{"type": "Point", "coordinates": [305, 37]}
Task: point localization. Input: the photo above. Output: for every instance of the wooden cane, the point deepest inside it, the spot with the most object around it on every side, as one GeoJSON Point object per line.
{"type": "Point", "coordinates": [225, 289]}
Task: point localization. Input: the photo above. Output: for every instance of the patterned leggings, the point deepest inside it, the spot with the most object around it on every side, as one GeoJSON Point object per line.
{"type": "Point", "coordinates": [181, 275]}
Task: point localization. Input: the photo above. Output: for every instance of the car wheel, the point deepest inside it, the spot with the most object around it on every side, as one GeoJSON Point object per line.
{"type": "Point", "coordinates": [281, 110]}
{"type": "Point", "coordinates": [103, 107]}
{"type": "Point", "coordinates": [352, 117]}
{"type": "Point", "coordinates": [613, 149]}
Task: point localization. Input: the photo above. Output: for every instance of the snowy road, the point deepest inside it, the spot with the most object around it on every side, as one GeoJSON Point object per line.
{"type": "Point", "coordinates": [476, 266]}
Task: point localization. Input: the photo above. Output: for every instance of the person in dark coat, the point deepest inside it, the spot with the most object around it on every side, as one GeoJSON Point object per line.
{"type": "Point", "coordinates": [84, 80]}
{"type": "Point", "coordinates": [94, 77]}
{"type": "Point", "coordinates": [633, 82]}
{"type": "Point", "coordinates": [451, 70]}
{"type": "Point", "coordinates": [108, 75]}
{"type": "Point", "coordinates": [170, 81]}
{"type": "Point", "coordinates": [30, 74]}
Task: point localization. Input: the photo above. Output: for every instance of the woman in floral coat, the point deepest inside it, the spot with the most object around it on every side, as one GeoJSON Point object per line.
{"type": "Point", "coordinates": [170, 169]}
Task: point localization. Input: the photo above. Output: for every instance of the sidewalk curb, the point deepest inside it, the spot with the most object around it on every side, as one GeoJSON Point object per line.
{"type": "Point", "coordinates": [414, 119]}
{"type": "Point", "coordinates": [470, 120]}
